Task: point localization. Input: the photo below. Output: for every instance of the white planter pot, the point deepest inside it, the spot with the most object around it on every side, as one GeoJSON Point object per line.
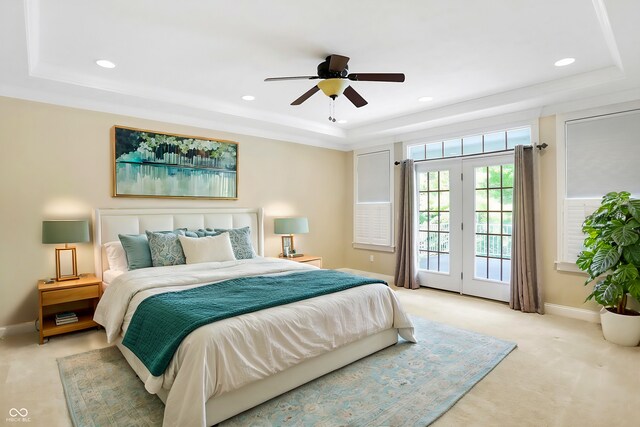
{"type": "Point", "coordinates": [620, 329]}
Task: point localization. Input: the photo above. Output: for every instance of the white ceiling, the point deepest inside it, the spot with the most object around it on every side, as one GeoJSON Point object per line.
{"type": "Point", "coordinates": [191, 61]}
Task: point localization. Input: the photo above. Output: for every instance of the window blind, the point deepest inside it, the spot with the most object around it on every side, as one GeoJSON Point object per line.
{"type": "Point", "coordinates": [373, 210]}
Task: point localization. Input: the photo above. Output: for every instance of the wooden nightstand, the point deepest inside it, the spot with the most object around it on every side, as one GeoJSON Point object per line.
{"type": "Point", "coordinates": [80, 296]}
{"type": "Point", "coordinates": [307, 259]}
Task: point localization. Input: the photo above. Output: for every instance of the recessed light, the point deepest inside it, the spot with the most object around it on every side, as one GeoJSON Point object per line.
{"type": "Point", "coordinates": [248, 97]}
{"type": "Point", "coordinates": [564, 61]}
{"type": "Point", "coordinates": [425, 98]}
{"type": "Point", "coordinates": [104, 63]}
{"type": "Point", "coordinates": [342, 121]}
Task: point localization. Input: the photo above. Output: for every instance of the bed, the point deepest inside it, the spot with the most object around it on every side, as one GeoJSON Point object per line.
{"type": "Point", "coordinates": [231, 365]}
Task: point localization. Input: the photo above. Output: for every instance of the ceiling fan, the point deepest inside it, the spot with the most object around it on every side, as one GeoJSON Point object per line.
{"type": "Point", "coordinates": [334, 73]}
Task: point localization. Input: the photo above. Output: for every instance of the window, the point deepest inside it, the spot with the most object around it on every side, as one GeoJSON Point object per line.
{"type": "Point", "coordinates": [474, 144]}
{"type": "Point", "coordinates": [373, 207]}
{"type": "Point", "coordinates": [597, 153]}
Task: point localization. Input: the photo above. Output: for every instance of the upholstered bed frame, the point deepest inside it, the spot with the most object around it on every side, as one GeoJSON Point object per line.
{"type": "Point", "coordinates": [108, 223]}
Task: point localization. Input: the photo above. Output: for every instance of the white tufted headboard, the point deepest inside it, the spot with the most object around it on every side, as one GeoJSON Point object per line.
{"type": "Point", "coordinates": [108, 223]}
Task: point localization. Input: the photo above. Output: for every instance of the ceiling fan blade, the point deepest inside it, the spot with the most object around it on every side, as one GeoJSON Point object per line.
{"type": "Point", "coordinates": [277, 79]}
{"type": "Point", "coordinates": [377, 77]}
{"type": "Point", "coordinates": [337, 62]}
{"type": "Point", "coordinates": [354, 97]}
{"type": "Point", "coordinates": [306, 95]}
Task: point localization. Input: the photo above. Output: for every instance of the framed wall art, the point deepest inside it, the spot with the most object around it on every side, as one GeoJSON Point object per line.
{"type": "Point", "coordinates": [152, 164]}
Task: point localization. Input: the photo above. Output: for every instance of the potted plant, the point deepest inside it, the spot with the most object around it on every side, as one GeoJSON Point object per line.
{"type": "Point", "coordinates": [611, 258]}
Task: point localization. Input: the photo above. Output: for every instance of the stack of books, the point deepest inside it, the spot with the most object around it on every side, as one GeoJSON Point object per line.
{"type": "Point", "coordinates": [67, 317]}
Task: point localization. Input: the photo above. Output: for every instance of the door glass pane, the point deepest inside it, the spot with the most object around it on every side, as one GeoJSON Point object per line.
{"type": "Point", "coordinates": [482, 225]}
{"type": "Point", "coordinates": [495, 177]}
{"type": "Point", "coordinates": [444, 201]}
{"type": "Point", "coordinates": [422, 260]}
{"type": "Point", "coordinates": [434, 221]}
{"type": "Point", "coordinates": [423, 221]}
{"type": "Point", "coordinates": [481, 268]}
{"type": "Point", "coordinates": [507, 199]}
{"type": "Point", "coordinates": [481, 200]}
{"type": "Point", "coordinates": [493, 222]}
{"type": "Point", "coordinates": [495, 269]}
{"type": "Point", "coordinates": [506, 270]}
{"type": "Point", "coordinates": [444, 180]}
{"type": "Point", "coordinates": [506, 223]}
{"type": "Point", "coordinates": [433, 180]}
{"type": "Point", "coordinates": [444, 221]}
{"type": "Point", "coordinates": [423, 201]}
{"type": "Point", "coordinates": [494, 200]}
{"type": "Point", "coordinates": [433, 201]}
{"type": "Point", "coordinates": [507, 175]}
{"type": "Point", "coordinates": [423, 182]}
{"type": "Point", "coordinates": [481, 178]}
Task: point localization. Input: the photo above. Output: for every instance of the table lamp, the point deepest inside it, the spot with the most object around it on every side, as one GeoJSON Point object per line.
{"type": "Point", "coordinates": [57, 232]}
{"type": "Point", "coordinates": [289, 227]}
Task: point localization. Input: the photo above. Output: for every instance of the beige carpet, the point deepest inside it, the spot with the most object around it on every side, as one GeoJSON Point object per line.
{"type": "Point", "coordinates": [562, 373]}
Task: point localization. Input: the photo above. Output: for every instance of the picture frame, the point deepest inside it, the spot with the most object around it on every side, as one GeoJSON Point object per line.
{"type": "Point", "coordinates": [287, 246]}
{"type": "Point", "coordinates": [164, 165]}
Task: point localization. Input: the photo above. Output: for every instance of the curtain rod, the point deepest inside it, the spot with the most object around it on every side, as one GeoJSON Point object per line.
{"type": "Point", "coordinates": [526, 147]}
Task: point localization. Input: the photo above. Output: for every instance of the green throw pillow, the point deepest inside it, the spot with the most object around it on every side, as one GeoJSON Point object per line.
{"type": "Point", "coordinates": [136, 248]}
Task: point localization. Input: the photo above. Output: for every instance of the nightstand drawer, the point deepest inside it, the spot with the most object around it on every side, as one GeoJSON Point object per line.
{"type": "Point", "coordinates": [73, 294]}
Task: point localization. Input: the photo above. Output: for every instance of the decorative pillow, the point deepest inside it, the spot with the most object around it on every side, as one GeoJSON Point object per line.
{"type": "Point", "coordinates": [165, 248]}
{"type": "Point", "coordinates": [240, 241]}
{"type": "Point", "coordinates": [116, 256]}
{"type": "Point", "coordinates": [207, 249]}
{"type": "Point", "coordinates": [136, 247]}
{"type": "Point", "coordinates": [208, 232]}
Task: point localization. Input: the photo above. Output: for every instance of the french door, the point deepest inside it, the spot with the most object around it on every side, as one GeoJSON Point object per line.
{"type": "Point", "coordinates": [465, 222]}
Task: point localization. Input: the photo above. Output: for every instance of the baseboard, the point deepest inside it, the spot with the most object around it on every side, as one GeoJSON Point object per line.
{"type": "Point", "coordinates": [572, 312]}
{"type": "Point", "coordinates": [20, 328]}
{"type": "Point", "coordinates": [388, 279]}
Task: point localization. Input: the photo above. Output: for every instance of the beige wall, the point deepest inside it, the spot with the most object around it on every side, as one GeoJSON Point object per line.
{"type": "Point", "coordinates": [56, 164]}
{"type": "Point", "coordinates": [383, 262]}
{"type": "Point", "coordinates": [559, 287]}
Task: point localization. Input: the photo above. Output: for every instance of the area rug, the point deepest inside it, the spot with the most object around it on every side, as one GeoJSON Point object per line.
{"type": "Point", "coordinates": [403, 385]}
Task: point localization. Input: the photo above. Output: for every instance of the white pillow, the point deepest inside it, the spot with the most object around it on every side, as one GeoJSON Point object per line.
{"type": "Point", "coordinates": [207, 249]}
{"type": "Point", "coordinates": [116, 256]}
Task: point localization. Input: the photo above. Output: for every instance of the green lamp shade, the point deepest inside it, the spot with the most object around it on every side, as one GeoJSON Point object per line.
{"type": "Point", "coordinates": [65, 231]}
{"type": "Point", "coordinates": [291, 225]}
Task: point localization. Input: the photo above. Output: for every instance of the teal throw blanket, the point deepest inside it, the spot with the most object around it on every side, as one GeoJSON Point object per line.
{"type": "Point", "coordinates": [162, 321]}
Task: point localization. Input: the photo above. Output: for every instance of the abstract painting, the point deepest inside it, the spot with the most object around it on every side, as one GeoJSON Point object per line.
{"type": "Point", "coordinates": [152, 164]}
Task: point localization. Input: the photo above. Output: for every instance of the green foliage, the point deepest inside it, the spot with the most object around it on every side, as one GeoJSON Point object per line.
{"type": "Point", "coordinates": [612, 248]}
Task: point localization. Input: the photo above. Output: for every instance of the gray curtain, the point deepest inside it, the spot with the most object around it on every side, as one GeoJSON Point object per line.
{"type": "Point", "coordinates": [406, 256]}
{"type": "Point", "coordinates": [525, 293]}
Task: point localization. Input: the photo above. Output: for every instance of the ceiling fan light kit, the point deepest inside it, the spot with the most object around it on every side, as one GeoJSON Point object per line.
{"type": "Point", "coordinates": [335, 77]}
{"type": "Point", "coordinates": [333, 87]}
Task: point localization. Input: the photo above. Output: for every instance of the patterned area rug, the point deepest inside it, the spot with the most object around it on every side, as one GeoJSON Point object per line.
{"type": "Point", "coordinates": [404, 385]}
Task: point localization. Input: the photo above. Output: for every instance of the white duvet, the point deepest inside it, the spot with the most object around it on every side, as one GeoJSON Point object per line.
{"type": "Point", "coordinates": [231, 353]}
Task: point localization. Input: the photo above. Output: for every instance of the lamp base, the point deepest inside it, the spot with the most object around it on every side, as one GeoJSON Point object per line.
{"type": "Point", "coordinates": [66, 272]}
